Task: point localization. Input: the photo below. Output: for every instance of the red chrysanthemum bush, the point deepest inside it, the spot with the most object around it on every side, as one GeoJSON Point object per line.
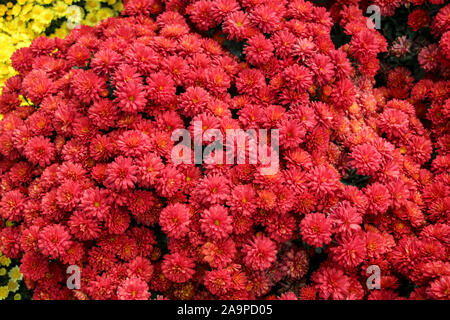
{"type": "Point", "coordinates": [88, 179]}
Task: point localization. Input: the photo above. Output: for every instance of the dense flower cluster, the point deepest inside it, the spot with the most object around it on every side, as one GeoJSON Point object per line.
{"type": "Point", "coordinates": [88, 179]}
{"type": "Point", "coordinates": [10, 279]}
{"type": "Point", "coordinates": [21, 21]}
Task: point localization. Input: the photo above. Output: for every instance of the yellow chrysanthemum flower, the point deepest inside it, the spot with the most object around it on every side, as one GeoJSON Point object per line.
{"type": "Point", "coordinates": [91, 19]}
{"type": "Point", "coordinates": [17, 296]}
{"type": "Point", "coordinates": [16, 10]}
{"type": "Point", "coordinates": [47, 16]}
{"type": "Point", "coordinates": [5, 52]}
{"type": "Point", "coordinates": [72, 10]}
{"type": "Point", "coordinates": [118, 6]}
{"type": "Point", "coordinates": [92, 5]}
{"type": "Point", "coordinates": [4, 292]}
{"type": "Point", "coordinates": [26, 9]}
{"type": "Point", "coordinates": [2, 271]}
{"type": "Point", "coordinates": [15, 274]}
{"type": "Point", "coordinates": [37, 11]}
{"type": "Point", "coordinates": [60, 9]}
{"type": "Point", "coordinates": [37, 26]}
{"type": "Point", "coordinates": [105, 13]}
{"type": "Point", "coordinates": [13, 286]}
{"type": "Point", "coordinates": [5, 261]}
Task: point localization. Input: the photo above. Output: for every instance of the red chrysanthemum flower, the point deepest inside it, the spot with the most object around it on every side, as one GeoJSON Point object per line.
{"type": "Point", "coordinates": [236, 25]}
{"type": "Point", "coordinates": [194, 101]}
{"type": "Point", "coordinates": [38, 85]}
{"type": "Point", "coordinates": [54, 240]}
{"type": "Point", "coordinates": [259, 253]}
{"type": "Point", "coordinates": [331, 283]}
{"type": "Point", "coordinates": [366, 159]}
{"type": "Point", "coordinates": [258, 49]}
{"type": "Point", "coordinates": [216, 223]}
{"type": "Point", "coordinates": [40, 150]}
{"type": "Point", "coordinates": [322, 180]}
{"type": "Point", "coordinates": [308, 293]}
{"type": "Point", "coordinates": [130, 96]}
{"type": "Point", "coordinates": [96, 202]}
{"type": "Point", "coordinates": [440, 288]}
{"type": "Point", "coordinates": [133, 143]}
{"type": "Point", "coordinates": [161, 88]}
{"type": "Point", "coordinates": [177, 267]}
{"type": "Point", "coordinates": [133, 289]}
{"type": "Point", "coordinates": [11, 205]}
{"type": "Point", "coordinates": [298, 77]}
{"type": "Point", "coordinates": [378, 197]}
{"type": "Point", "coordinates": [88, 86]}
{"type": "Point", "coordinates": [393, 122]}
{"type": "Point", "coordinates": [316, 229]}
{"type": "Point", "coordinates": [34, 266]}
{"type": "Point", "coordinates": [84, 227]}
{"type": "Point", "coordinates": [68, 195]}
{"type": "Point", "coordinates": [121, 174]}
{"type": "Point", "coordinates": [218, 282]}
{"type": "Point", "coordinates": [141, 268]}
{"type": "Point", "coordinates": [418, 19]}
{"type": "Point", "coordinates": [345, 218]}
{"type": "Point", "coordinates": [175, 220]}
{"type": "Point", "coordinates": [219, 253]}
{"type": "Point", "coordinates": [350, 252]}
{"type": "Point", "coordinates": [265, 18]}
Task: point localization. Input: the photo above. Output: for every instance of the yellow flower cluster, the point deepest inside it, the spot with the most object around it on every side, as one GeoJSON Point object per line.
{"type": "Point", "coordinates": [21, 21]}
{"type": "Point", "coordinates": [10, 277]}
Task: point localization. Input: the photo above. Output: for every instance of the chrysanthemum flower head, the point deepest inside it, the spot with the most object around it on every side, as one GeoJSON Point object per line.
{"type": "Point", "coordinates": [178, 268]}
{"type": "Point", "coordinates": [216, 222]}
{"type": "Point", "coordinates": [316, 229]}
{"type": "Point", "coordinates": [175, 220]}
{"type": "Point", "coordinates": [259, 253]}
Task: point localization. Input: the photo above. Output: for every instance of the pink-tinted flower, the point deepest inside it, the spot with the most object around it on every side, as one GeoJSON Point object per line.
{"type": "Point", "coordinates": [133, 289]}
{"type": "Point", "coordinates": [331, 283]}
{"type": "Point", "coordinates": [121, 174]}
{"type": "Point", "coordinates": [40, 150]}
{"type": "Point", "coordinates": [316, 229]}
{"type": "Point", "coordinates": [259, 253]}
{"type": "Point", "coordinates": [54, 240]}
{"type": "Point", "coordinates": [218, 281]}
{"type": "Point", "coordinates": [366, 159]}
{"type": "Point", "coordinates": [178, 268]}
{"type": "Point", "coordinates": [216, 223]}
{"type": "Point", "coordinates": [175, 220]}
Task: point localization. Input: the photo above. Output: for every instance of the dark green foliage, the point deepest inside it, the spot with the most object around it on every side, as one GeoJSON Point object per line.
{"type": "Point", "coordinates": [338, 36]}
{"type": "Point", "coordinates": [236, 48]}
{"type": "Point", "coordinates": [354, 179]}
